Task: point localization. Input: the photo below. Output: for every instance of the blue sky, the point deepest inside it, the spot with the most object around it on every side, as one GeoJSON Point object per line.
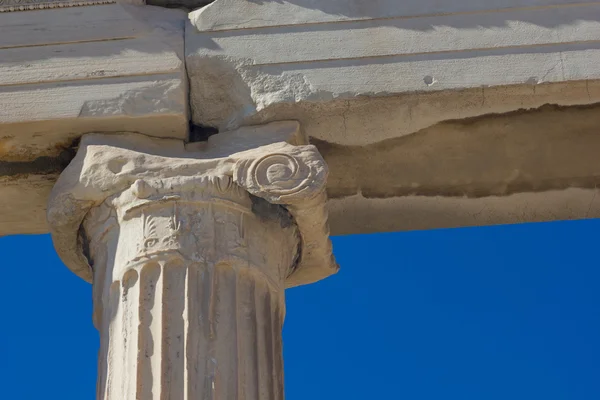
{"type": "Point", "coordinates": [508, 312]}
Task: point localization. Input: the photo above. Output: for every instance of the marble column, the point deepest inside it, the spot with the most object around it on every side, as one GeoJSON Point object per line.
{"type": "Point", "coordinates": [190, 249]}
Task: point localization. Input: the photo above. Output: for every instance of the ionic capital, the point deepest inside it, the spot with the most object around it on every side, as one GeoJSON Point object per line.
{"type": "Point", "coordinates": [132, 171]}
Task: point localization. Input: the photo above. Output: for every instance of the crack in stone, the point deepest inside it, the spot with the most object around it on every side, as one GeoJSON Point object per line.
{"type": "Point", "coordinates": [201, 133]}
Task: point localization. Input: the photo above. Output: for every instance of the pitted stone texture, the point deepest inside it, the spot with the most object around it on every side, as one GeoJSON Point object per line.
{"type": "Point", "coordinates": [106, 165]}
{"type": "Point", "coordinates": [340, 61]}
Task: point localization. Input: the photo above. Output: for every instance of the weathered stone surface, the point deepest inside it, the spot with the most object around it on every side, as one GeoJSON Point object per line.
{"type": "Point", "coordinates": [23, 199]}
{"type": "Point", "coordinates": [539, 165]}
{"type": "Point", "coordinates": [429, 104]}
{"type": "Point", "coordinates": [357, 214]}
{"type": "Point", "coordinates": [109, 68]}
{"type": "Point", "coordinates": [519, 167]}
{"type": "Point", "coordinates": [236, 14]}
{"type": "Point", "coordinates": [430, 114]}
{"type": "Point", "coordinates": [266, 162]}
{"type": "Point", "coordinates": [259, 57]}
{"type": "Point", "coordinates": [191, 249]}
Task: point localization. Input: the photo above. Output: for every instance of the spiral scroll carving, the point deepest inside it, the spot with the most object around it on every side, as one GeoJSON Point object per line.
{"type": "Point", "coordinates": [280, 174]}
{"type": "Point", "coordinates": [283, 177]}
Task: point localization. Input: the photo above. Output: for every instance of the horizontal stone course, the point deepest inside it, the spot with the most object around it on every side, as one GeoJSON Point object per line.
{"type": "Point", "coordinates": [483, 111]}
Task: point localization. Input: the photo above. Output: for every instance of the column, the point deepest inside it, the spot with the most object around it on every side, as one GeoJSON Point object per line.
{"type": "Point", "coordinates": [190, 250]}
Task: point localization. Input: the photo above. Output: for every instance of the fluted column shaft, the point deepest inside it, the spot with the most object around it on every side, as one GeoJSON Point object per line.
{"type": "Point", "coordinates": [189, 292]}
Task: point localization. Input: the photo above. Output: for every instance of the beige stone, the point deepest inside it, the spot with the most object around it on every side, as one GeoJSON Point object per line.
{"type": "Point", "coordinates": [433, 114]}
{"type": "Point", "coordinates": [190, 249]}
{"type": "Point", "coordinates": [69, 71]}
{"type": "Point", "coordinates": [256, 57]}
{"type": "Point", "coordinates": [529, 166]}
{"type": "Point", "coordinates": [428, 114]}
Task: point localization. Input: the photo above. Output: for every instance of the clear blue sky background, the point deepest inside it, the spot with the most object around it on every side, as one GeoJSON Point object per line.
{"type": "Point", "coordinates": [510, 312]}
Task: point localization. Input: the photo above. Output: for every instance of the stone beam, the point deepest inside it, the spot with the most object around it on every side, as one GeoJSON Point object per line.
{"type": "Point", "coordinates": [533, 166]}
{"type": "Point", "coordinates": [430, 115]}
{"type": "Point", "coordinates": [403, 100]}
{"type": "Point", "coordinates": [73, 70]}
{"type": "Point", "coordinates": [445, 60]}
{"type": "Point", "coordinates": [190, 249]}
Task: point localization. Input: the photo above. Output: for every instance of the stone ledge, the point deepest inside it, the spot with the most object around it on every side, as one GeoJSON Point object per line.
{"type": "Point", "coordinates": [124, 71]}
{"type": "Point", "coordinates": [424, 62]}
{"type": "Point", "coordinates": [528, 166]}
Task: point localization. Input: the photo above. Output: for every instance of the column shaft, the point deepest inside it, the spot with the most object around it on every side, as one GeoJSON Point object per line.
{"type": "Point", "coordinates": [189, 296]}
{"type": "Point", "coordinates": [194, 331]}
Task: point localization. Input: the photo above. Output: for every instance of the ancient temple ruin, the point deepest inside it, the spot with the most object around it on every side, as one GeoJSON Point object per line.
{"type": "Point", "coordinates": [191, 158]}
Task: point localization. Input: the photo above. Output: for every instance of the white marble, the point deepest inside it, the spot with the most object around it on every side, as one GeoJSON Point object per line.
{"type": "Point", "coordinates": [430, 113]}
{"type": "Point", "coordinates": [105, 68]}
{"type": "Point", "coordinates": [259, 55]}
{"type": "Point", "coordinates": [190, 250]}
